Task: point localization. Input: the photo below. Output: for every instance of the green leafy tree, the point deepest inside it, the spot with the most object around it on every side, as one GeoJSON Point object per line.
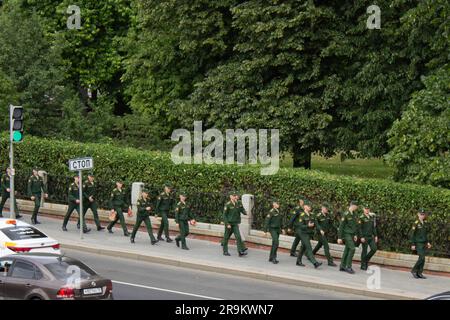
{"type": "Point", "coordinates": [420, 140]}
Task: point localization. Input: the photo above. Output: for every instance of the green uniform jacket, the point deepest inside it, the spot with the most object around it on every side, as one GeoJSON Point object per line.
{"type": "Point", "coordinates": [118, 199]}
{"type": "Point", "coordinates": [183, 212]}
{"type": "Point", "coordinates": [165, 203]}
{"type": "Point", "coordinates": [74, 193]}
{"type": "Point", "coordinates": [36, 185]}
{"type": "Point", "coordinates": [419, 232]}
{"type": "Point", "coordinates": [349, 225]}
{"type": "Point", "coordinates": [232, 212]}
{"type": "Point", "coordinates": [5, 182]}
{"type": "Point", "coordinates": [304, 220]}
{"type": "Point", "coordinates": [89, 190]}
{"type": "Point", "coordinates": [368, 225]}
{"type": "Point", "coordinates": [294, 221]}
{"type": "Point", "coordinates": [274, 220]}
{"type": "Point", "coordinates": [142, 204]}
{"type": "Point", "coordinates": [325, 222]}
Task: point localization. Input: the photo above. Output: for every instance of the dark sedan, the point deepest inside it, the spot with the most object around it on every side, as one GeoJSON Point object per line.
{"type": "Point", "coordinates": [45, 276]}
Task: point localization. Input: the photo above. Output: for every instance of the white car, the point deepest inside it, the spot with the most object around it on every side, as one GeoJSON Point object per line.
{"type": "Point", "coordinates": [19, 237]}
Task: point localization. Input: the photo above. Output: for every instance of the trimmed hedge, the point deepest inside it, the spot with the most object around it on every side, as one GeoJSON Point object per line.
{"type": "Point", "coordinates": [396, 204]}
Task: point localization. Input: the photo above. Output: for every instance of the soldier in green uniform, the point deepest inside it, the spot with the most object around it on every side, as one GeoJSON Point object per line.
{"type": "Point", "coordinates": [90, 202]}
{"type": "Point", "coordinates": [273, 226]}
{"type": "Point", "coordinates": [164, 204]}
{"type": "Point", "coordinates": [295, 213]}
{"type": "Point", "coordinates": [74, 203]}
{"type": "Point", "coordinates": [36, 187]}
{"type": "Point", "coordinates": [369, 236]}
{"type": "Point", "coordinates": [183, 216]}
{"type": "Point", "coordinates": [324, 220]}
{"type": "Point", "coordinates": [119, 205]}
{"type": "Point", "coordinates": [232, 218]}
{"type": "Point", "coordinates": [144, 208]}
{"type": "Point", "coordinates": [420, 243]}
{"type": "Point", "coordinates": [307, 225]}
{"type": "Point", "coordinates": [348, 233]}
{"type": "Point", "coordinates": [6, 193]}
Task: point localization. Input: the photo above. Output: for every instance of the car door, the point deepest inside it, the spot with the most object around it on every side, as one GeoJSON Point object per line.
{"type": "Point", "coordinates": [21, 280]}
{"type": "Point", "coordinates": [5, 265]}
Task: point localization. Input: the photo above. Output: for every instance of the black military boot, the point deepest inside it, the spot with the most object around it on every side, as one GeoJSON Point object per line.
{"type": "Point", "coordinates": [317, 264]}
{"type": "Point", "coordinates": [293, 254]}
{"type": "Point", "coordinates": [275, 261]}
{"type": "Point", "coordinates": [169, 240]}
{"type": "Point", "coordinates": [421, 276]}
{"type": "Point", "coordinates": [160, 238]}
{"type": "Point", "coordinates": [332, 264]}
{"type": "Point", "coordinates": [100, 228]}
{"type": "Point", "coordinates": [110, 230]}
{"type": "Point", "coordinates": [126, 234]}
{"type": "Point", "coordinates": [177, 241]}
{"type": "Point", "coordinates": [349, 270]}
{"type": "Point", "coordinates": [64, 228]}
{"type": "Point", "coordinates": [78, 226]}
{"type": "Point", "coordinates": [242, 253]}
{"type": "Point", "coordinates": [86, 230]}
{"type": "Point", "coordinates": [226, 254]}
{"type": "Point", "coordinates": [154, 242]}
{"type": "Point", "coordinates": [185, 248]}
{"type": "Point", "coordinates": [415, 275]}
{"type": "Point", "coordinates": [132, 240]}
{"type": "Point", "coordinates": [299, 263]}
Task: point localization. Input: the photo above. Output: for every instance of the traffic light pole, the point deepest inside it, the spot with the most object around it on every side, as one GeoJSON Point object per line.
{"type": "Point", "coordinates": [12, 197]}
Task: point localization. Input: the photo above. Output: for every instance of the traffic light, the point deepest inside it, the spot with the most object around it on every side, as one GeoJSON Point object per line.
{"type": "Point", "coordinates": [16, 124]}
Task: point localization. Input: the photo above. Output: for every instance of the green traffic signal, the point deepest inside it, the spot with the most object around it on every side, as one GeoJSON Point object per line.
{"type": "Point", "coordinates": [17, 136]}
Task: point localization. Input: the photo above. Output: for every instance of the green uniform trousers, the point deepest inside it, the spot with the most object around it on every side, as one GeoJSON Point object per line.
{"type": "Point", "coordinates": [228, 232]}
{"type": "Point", "coordinates": [93, 206]}
{"type": "Point", "coordinates": [421, 248]}
{"type": "Point", "coordinates": [349, 251]}
{"type": "Point", "coordinates": [323, 241]}
{"type": "Point", "coordinates": [184, 232]}
{"type": "Point", "coordinates": [306, 248]}
{"type": "Point", "coordinates": [119, 217]}
{"type": "Point", "coordinates": [72, 206]}
{"type": "Point", "coordinates": [164, 225]}
{"type": "Point", "coordinates": [37, 205]}
{"type": "Point", "coordinates": [295, 244]}
{"type": "Point", "coordinates": [5, 196]}
{"type": "Point", "coordinates": [148, 224]}
{"type": "Point", "coordinates": [275, 234]}
{"type": "Point", "coordinates": [365, 257]}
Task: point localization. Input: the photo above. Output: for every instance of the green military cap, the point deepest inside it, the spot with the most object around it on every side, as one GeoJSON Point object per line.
{"type": "Point", "coordinates": [145, 190]}
{"type": "Point", "coordinates": [306, 202]}
{"type": "Point", "coordinates": [326, 205]}
{"type": "Point", "coordinates": [182, 193]}
{"type": "Point", "coordinates": [275, 200]}
{"type": "Point", "coordinates": [233, 193]}
{"type": "Point", "coordinates": [119, 181]}
{"type": "Point", "coordinates": [366, 206]}
{"type": "Point", "coordinates": [90, 174]}
{"type": "Point", "coordinates": [422, 210]}
{"type": "Point", "coordinates": [354, 203]}
{"type": "Point", "coordinates": [301, 197]}
{"type": "Point", "coordinates": [167, 185]}
{"type": "Point", "coordinates": [35, 169]}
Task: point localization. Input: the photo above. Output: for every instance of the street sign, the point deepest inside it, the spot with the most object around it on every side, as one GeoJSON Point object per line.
{"type": "Point", "coordinates": [81, 164]}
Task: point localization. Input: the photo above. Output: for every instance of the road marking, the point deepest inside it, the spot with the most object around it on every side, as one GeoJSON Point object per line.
{"type": "Point", "coordinates": [165, 290]}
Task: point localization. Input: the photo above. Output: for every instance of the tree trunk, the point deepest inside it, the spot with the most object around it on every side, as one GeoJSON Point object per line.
{"type": "Point", "coordinates": [301, 157]}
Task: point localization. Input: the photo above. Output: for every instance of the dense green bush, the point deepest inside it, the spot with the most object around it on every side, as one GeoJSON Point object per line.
{"type": "Point", "coordinates": [396, 204]}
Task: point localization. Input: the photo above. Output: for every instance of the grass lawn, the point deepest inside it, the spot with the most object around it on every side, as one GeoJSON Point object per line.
{"type": "Point", "coordinates": [364, 168]}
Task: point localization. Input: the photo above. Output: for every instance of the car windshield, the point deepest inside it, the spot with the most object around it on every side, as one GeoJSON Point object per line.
{"type": "Point", "coordinates": [70, 270]}
{"type": "Point", "coordinates": [23, 233]}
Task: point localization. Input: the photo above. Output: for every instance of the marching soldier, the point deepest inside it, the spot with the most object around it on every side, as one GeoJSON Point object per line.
{"type": "Point", "coordinates": [420, 243]}
{"type": "Point", "coordinates": [90, 202]}
{"type": "Point", "coordinates": [6, 193]}
{"type": "Point", "coordinates": [348, 233]}
{"type": "Point", "coordinates": [273, 225]}
{"type": "Point", "coordinates": [295, 213]}
{"type": "Point", "coordinates": [36, 187]}
{"type": "Point", "coordinates": [307, 225]}
{"type": "Point", "coordinates": [74, 204]}
{"type": "Point", "coordinates": [232, 218]}
{"type": "Point", "coordinates": [164, 205]}
{"type": "Point", "coordinates": [183, 216]}
{"type": "Point", "coordinates": [118, 205]}
{"type": "Point", "coordinates": [144, 208]}
{"type": "Point", "coordinates": [325, 222]}
{"type": "Point", "coordinates": [369, 236]}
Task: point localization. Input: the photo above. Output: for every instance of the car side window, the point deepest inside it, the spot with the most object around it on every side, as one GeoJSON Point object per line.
{"type": "Point", "coordinates": [38, 274]}
{"type": "Point", "coordinates": [5, 265]}
{"type": "Point", "coordinates": [23, 270]}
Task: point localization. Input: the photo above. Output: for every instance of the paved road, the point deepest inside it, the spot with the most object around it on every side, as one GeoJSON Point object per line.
{"type": "Point", "coordinates": [139, 280]}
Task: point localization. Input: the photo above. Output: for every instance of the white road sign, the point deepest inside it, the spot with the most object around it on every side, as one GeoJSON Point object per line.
{"type": "Point", "coordinates": [81, 164]}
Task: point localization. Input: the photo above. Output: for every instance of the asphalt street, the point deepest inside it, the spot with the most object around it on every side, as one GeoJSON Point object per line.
{"type": "Point", "coordinates": [139, 280]}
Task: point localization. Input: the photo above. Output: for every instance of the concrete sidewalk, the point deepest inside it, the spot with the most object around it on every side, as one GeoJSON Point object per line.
{"type": "Point", "coordinates": [207, 255]}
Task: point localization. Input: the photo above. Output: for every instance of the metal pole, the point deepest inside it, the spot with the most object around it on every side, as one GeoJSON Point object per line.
{"type": "Point", "coordinates": [12, 208]}
{"type": "Point", "coordinates": [80, 175]}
